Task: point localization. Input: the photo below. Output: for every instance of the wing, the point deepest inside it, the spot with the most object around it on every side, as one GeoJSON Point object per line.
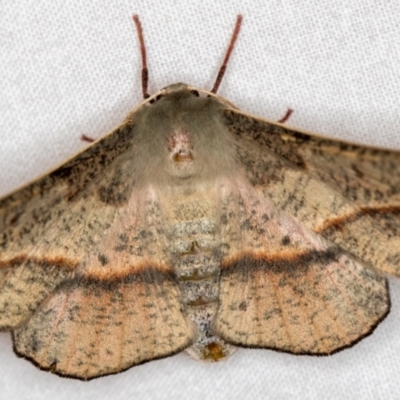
{"type": "Point", "coordinates": [347, 193]}
{"type": "Point", "coordinates": [306, 233]}
{"type": "Point", "coordinates": [285, 287]}
{"type": "Point", "coordinates": [84, 284]}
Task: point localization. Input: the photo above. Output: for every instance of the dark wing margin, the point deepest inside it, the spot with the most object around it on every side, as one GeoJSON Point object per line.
{"type": "Point", "coordinates": [316, 303]}
{"type": "Point", "coordinates": [92, 327]}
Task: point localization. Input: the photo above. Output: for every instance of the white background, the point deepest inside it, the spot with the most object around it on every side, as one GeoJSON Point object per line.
{"type": "Point", "coordinates": [72, 67]}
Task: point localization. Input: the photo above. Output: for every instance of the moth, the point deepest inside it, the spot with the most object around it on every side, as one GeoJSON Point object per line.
{"type": "Point", "coordinates": [195, 226]}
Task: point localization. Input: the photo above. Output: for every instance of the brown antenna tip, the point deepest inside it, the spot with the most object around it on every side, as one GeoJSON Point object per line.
{"type": "Point", "coordinates": [145, 71]}
{"type": "Point", "coordinates": [228, 53]}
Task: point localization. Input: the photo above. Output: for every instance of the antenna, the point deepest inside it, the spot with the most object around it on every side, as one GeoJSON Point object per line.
{"type": "Point", "coordinates": [221, 72]}
{"type": "Point", "coordinates": [145, 71]}
{"type": "Point", "coordinates": [228, 53]}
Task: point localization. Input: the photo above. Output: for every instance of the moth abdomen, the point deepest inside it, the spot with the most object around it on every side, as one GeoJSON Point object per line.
{"type": "Point", "coordinates": [194, 245]}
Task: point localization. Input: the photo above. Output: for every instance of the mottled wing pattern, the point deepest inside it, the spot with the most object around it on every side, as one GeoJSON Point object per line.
{"type": "Point", "coordinates": [315, 303]}
{"type": "Point", "coordinates": [84, 284]}
{"type": "Point", "coordinates": [92, 327]}
{"type": "Point", "coordinates": [285, 287]}
{"type": "Point", "coordinates": [347, 193]}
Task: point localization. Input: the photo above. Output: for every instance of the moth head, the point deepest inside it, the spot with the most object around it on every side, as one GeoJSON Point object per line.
{"type": "Point", "coordinates": [181, 89]}
{"type": "Point", "coordinates": [180, 134]}
{"type": "Point", "coordinates": [184, 90]}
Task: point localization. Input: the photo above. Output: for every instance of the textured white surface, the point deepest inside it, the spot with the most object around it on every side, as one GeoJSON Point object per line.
{"type": "Point", "coordinates": [73, 67]}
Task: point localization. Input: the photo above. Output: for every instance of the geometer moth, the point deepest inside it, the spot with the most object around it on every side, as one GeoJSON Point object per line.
{"type": "Point", "coordinates": [194, 226]}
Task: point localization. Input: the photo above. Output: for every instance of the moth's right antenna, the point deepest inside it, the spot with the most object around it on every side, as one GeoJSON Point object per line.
{"type": "Point", "coordinates": [222, 70]}
{"type": "Point", "coordinates": [145, 71]}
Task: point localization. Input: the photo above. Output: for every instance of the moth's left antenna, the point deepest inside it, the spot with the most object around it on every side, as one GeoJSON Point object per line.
{"type": "Point", "coordinates": [145, 71]}
{"type": "Point", "coordinates": [228, 53]}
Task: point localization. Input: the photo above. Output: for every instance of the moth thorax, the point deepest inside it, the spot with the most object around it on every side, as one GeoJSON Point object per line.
{"type": "Point", "coordinates": [180, 148]}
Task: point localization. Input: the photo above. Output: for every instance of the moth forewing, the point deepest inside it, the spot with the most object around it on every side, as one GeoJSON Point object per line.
{"type": "Point", "coordinates": [358, 187]}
